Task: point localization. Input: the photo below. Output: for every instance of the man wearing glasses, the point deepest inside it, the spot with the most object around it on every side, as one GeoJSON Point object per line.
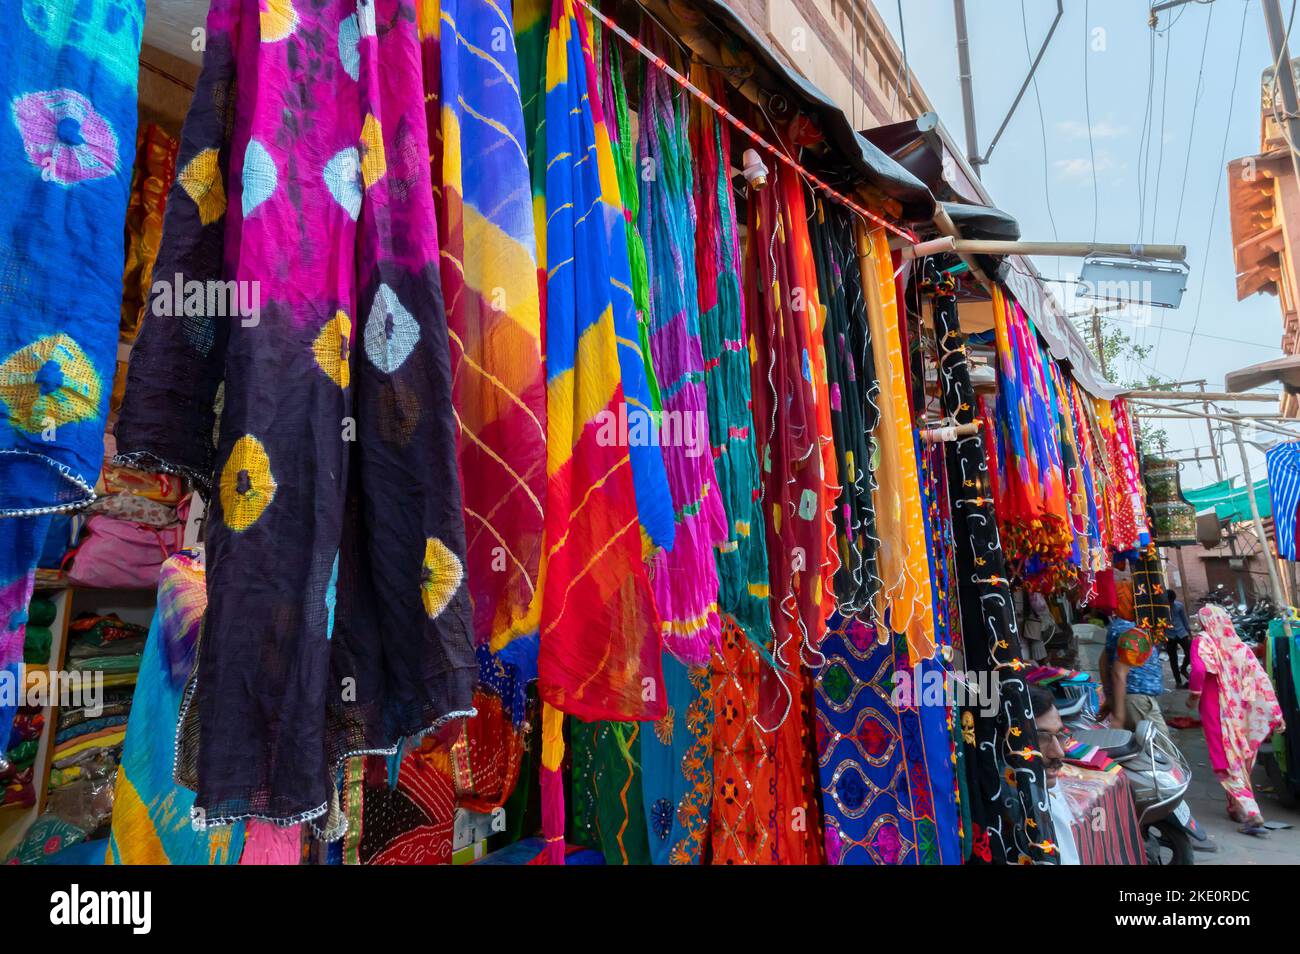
{"type": "Point", "coordinates": [1052, 737]}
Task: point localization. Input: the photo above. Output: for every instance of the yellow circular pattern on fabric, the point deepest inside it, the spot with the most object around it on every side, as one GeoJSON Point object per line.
{"type": "Point", "coordinates": [278, 20]}
{"type": "Point", "coordinates": [50, 382]}
{"type": "Point", "coordinates": [247, 486]}
{"type": "Point", "coordinates": [440, 577]}
{"type": "Point", "coordinates": [373, 162]}
{"type": "Point", "coordinates": [201, 180]}
{"type": "Point", "coordinates": [331, 349]}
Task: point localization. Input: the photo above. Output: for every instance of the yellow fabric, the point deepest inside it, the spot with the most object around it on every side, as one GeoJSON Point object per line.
{"type": "Point", "coordinates": [552, 737]}
{"type": "Point", "coordinates": [904, 567]}
{"type": "Point", "coordinates": [331, 349]}
{"type": "Point", "coordinates": [201, 180]}
{"type": "Point", "coordinates": [247, 485]}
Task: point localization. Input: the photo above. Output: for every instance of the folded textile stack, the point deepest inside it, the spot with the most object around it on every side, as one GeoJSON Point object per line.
{"type": "Point", "coordinates": [1090, 757]}
{"type": "Point", "coordinates": [105, 652]}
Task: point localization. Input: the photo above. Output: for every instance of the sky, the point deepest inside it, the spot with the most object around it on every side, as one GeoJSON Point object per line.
{"type": "Point", "coordinates": [1042, 170]}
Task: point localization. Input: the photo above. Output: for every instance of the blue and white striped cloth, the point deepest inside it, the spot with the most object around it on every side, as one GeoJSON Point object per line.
{"type": "Point", "coordinates": [1284, 486]}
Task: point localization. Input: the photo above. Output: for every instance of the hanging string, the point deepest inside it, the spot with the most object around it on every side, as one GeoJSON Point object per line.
{"type": "Point", "coordinates": [722, 111]}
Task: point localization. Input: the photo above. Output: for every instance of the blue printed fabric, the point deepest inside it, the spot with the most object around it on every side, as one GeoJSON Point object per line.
{"type": "Point", "coordinates": [67, 145]}
{"type": "Point", "coordinates": [1147, 679]}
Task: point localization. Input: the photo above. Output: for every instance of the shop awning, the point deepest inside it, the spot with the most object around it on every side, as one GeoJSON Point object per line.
{"type": "Point", "coordinates": [865, 161]}
{"type": "Point", "coordinates": [918, 145]}
{"type": "Point", "coordinates": [1229, 502]}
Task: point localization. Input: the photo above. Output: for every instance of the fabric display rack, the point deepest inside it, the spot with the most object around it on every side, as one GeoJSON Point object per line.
{"type": "Point", "coordinates": [511, 433]}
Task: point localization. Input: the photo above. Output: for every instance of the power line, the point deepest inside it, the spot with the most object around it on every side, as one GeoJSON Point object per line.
{"type": "Point", "coordinates": [1191, 135]}
{"type": "Point", "coordinates": [1042, 122]}
{"type": "Point", "coordinates": [1144, 141]}
{"type": "Point", "coordinates": [1087, 106]}
{"type": "Point", "coordinates": [1218, 188]}
{"type": "Point", "coordinates": [1202, 334]}
{"type": "Point", "coordinates": [1191, 140]}
{"type": "Point", "coordinates": [1160, 161]}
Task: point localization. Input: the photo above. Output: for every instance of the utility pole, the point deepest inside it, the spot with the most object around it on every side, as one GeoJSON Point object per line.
{"type": "Point", "coordinates": [1283, 76]}
{"type": "Point", "coordinates": [1098, 343]}
{"type": "Point", "coordinates": [967, 85]}
{"type": "Point", "coordinates": [1214, 450]}
{"type": "Point", "coordinates": [1279, 597]}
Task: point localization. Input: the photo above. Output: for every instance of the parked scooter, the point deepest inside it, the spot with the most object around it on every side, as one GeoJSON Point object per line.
{"type": "Point", "coordinates": [1158, 776]}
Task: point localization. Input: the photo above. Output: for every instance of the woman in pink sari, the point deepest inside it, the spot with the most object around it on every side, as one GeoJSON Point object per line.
{"type": "Point", "coordinates": [1238, 710]}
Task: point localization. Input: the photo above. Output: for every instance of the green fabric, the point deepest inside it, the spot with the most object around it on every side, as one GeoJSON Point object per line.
{"type": "Point", "coordinates": [127, 662]}
{"type": "Point", "coordinates": [36, 645]}
{"type": "Point", "coordinates": [1276, 633]}
{"type": "Point", "coordinates": [608, 812]}
{"type": "Point", "coordinates": [41, 611]}
{"type": "Point", "coordinates": [1230, 502]}
{"type": "Point", "coordinates": [23, 754]}
{"type": "Point", "coordinates": [625, 164]}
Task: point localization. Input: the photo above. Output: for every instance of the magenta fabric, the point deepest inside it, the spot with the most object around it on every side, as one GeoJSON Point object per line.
{"type": "Point", "coordinates": [338, 617]}
{"type": "Point", "coordinates": [1207, 684]}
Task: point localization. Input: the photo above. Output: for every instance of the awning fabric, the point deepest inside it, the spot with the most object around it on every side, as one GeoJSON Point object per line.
{"type": "Point", "coordinates": [868, 162]}
{"type": "Point", "coordinates": [872, 164]}
{"type": "Point", "coordinates": [1229, 502]}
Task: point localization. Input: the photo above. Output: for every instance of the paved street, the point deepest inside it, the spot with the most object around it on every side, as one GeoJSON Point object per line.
{"type": "Point", "coordinates": [1208, 803]}
{"type": "Point", "coordinates": [1206, 797]}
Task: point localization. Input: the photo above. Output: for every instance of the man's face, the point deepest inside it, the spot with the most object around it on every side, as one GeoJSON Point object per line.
{"type": "Point", "coordinates": [1050, 729]}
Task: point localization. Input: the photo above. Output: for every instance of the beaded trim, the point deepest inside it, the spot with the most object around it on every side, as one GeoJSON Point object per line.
{"type": "Point", "coordinates": [64, 471]}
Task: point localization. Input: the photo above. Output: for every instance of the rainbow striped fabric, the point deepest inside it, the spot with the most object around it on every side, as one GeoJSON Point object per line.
{"type": "Point", "coordinates": [489, 267]}
{"type": "Point", "coordinates": [600, 629]}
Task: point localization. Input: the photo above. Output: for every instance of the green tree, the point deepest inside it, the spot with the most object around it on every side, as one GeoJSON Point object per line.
{"type": "Point", "coordinates": [1119, 350]}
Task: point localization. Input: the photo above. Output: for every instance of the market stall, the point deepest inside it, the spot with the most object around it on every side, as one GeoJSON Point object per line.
{"type": "Point", "coordinates": [529, 444]}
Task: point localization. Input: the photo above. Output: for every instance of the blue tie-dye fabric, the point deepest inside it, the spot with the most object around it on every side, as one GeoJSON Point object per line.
{"type": "Point", "coordinates": [67, 144]}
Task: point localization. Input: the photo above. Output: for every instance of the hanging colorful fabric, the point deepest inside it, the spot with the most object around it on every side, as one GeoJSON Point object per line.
{"type": "Point", "coordinates": [685, 579]}
{"type": "Point", "coordinates": [600, 631]}
{"type": "Point", "coordinates": [785, 415]}
{"type": "Point", "coordinates": [600, 628]}
{"type": "Point", "coordinates": [488, 266]}
{"type": "Point", "coordinates": [1010, 816]}
{"type": "Point", "coordinates": [1283, 460]}
{"type": "Point", "coordinates": [888, 791]}
{"type": "Point", "coordinates": [150, 811]}
{"type": "Point", "coordinates": [677, 768]}
{"type": "Point", "coordinates": [904, 603]}
{"type": "Point", "coordinates": [331, 243]}
{"type": "Point", "coordinates": [855, 413]}
{"type": "Point", "coordinates": [743, 815]}
{"type": "Point", "coordinates": [606, 783]}
{"type": "Point", "coordinates": [67, 142]}
{"type": "Point", "coordinates": [743, 586]}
